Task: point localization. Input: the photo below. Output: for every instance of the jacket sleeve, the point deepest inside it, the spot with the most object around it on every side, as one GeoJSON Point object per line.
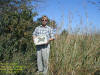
{"type": "Point", "coordinates": [52, 33]}
{"type": "Point", "coordinates": [35, 32]}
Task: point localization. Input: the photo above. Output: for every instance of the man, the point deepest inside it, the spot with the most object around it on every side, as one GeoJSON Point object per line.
{"type": "Point", "coordinates": [43, 50]}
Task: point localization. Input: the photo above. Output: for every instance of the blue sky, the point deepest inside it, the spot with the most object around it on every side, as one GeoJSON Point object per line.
{"type": "Point", "coordinates": [59, 10]}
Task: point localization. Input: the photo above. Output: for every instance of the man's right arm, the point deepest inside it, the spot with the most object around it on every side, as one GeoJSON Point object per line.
{"type": "Point", "coordinates": [34, 34]}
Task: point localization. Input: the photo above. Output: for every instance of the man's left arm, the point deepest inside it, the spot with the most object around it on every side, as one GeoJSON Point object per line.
{"type": "Point", "coordinates": [52, 36]}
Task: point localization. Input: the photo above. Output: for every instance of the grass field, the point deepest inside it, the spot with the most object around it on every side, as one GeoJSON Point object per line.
{"type": "Point", "coordinates": [75, 55]}
{"type": "Point", "coordinates": [69, 55]}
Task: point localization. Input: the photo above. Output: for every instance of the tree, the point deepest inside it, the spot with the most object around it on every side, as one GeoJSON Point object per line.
{"type": "Point", "coordinates": [16, 26]}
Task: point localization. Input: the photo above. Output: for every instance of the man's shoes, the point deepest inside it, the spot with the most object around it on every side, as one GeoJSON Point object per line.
{"type": "Point", "coordinates": [44, 72]}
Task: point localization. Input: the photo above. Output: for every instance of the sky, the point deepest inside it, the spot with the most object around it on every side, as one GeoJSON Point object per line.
{"type": "Point", "coordinates": [83, 14]}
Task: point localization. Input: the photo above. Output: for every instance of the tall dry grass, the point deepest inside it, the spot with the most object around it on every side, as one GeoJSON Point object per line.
{"type": "Point", "coordinates": [75, 55]}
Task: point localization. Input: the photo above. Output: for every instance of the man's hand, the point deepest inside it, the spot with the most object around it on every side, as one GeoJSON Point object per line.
{"type": "Point", "coordinates": [49, 40]}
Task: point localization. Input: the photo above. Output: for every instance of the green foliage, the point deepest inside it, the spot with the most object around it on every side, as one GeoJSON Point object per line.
{"type": "Point", "coordinates": [16, 29]}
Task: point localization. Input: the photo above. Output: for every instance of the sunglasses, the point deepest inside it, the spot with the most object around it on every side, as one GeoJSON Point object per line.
{"type": "Point", "coordinates": [44, 20]}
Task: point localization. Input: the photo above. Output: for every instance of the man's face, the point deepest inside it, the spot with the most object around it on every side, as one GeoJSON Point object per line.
{"type": "Point", "coordinates": [44, 21]}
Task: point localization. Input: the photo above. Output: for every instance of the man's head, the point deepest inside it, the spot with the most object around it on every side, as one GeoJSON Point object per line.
{"type": "Point", "coordinates": [44, 20]}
